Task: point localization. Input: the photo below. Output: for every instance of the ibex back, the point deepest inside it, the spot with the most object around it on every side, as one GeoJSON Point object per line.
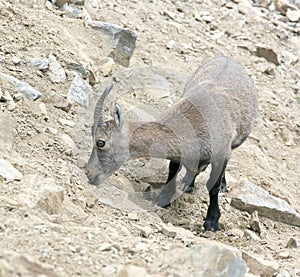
{"type": "Point", "coordinates": [215, 115]}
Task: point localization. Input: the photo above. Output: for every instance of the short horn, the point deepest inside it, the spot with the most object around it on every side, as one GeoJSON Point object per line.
{"type": "Point", "coordinates": [99, 113]}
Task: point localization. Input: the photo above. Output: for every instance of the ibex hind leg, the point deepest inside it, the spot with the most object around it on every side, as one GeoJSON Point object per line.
{"type": "Point", "coordinates": [169, 189]}
{"type": "Point", "coordinates": [188, 182]}
{"type": "Point", "coordinates": [213, 212]}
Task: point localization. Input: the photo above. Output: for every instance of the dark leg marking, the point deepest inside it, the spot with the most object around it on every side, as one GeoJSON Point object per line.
{"type": "Point", "coordinates": [169, 189]}
{"type": "Point", "coordinates": [213, 212]}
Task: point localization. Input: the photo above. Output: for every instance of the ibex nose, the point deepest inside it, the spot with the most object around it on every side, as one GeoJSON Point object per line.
{"type": "Point", "coordinates": [89, 174]}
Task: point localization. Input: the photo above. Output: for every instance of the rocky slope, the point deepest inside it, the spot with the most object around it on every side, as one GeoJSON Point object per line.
{"type": "Point", "coordinates": [53, 223]}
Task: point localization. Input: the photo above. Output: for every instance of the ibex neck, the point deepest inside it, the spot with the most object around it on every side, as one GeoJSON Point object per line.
{"type": "Point", "coordinates": [152, 139]}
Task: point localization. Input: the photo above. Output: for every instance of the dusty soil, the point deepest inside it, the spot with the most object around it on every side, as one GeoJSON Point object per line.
{"type": "Point", "coordinates": [90, 238]}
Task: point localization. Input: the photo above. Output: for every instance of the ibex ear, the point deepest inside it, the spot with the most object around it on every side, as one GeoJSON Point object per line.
{"type": "Point", "coordinates": [117, 116]}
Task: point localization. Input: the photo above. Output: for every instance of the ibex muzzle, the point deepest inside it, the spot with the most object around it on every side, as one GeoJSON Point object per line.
{"type": "Point", "coordinates": [215, 115]}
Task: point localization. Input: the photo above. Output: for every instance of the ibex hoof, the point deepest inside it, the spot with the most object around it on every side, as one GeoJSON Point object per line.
{"type": "Point", "coordinates": [211, 225]}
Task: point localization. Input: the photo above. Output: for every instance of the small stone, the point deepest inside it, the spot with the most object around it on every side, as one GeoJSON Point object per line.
{"type": "Point", "coordinates": [6, 135]}
{"type": "Point", "coordinates": [229, 5]}
{"type": "Point", "coordinates": [236, 233]}
{"type": "Point", "coordinates": [40, 64]}
{"type": "Point", "coordinates": [171, 43]}
{"type": "Point", "coordinates": [270, 71]}
{"type": "Point", "coordinates": [66, 122]}
{"type": "Point", "coordinates": [255, 223]}
{"type": "Point", "coordinates": [57, 74]}
{"type": "Point", "coordinates": [283, 255]}
{"type": "Point", "coordinates": [43, 110]}
{"type": "Point", "coordinates": [292, 243]}
{"type": "Point", "coordinates": [170, 14]}
{"type": "Point", "coordinates": [62, 104]}
{"type": "Point", "coordinates": [10, 101]}
{"type": "Point", "coordinates": [16, 60]}
{"type": "Point", "coordinates": [52, 131]}
{"type": "Point", "coordinates": [207, 18]}
{"type": "Point", "coordinates": [293, 15]}
{"type": "Point", "coordinates": [251, 235]}
{"type": "Point", "coordinates": [283, 273]}
{"type": "Point", "coordinates": [108, 67]}
{"type": "Point", "coordinates": [132, 271]}
{"type": "Point", "coordinates": [80, 91]}
{"type": "Point", "coordinates": [61, 3]}
{"type": "Point", "coordinates": [105, 246]}
{"type": "Point", "coordinates": [109, 271]}
{"type": "Point", "coordinates": [8, 172]}
{"type": "Point", "coordinates": [268, 53]}
{"type": "Point", "coordinates": [168, 230]}
{"type": "Point", "coordinates": [146, 231]}
{"type": "Point", "coordinates": [133, 216]}
{"type": "Point", "coordinates": [67, 140]}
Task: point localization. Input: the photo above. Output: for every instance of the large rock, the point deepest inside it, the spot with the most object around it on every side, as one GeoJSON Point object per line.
{"type": "Point", "coordinates": [204, 260]}
{"type": "Point", "coordinates": [252, 198]}
{"type": "Point", "coordinates": [39, 192]}
{"type": "Point", "coordinates": [13, 264]}
{"type": "Point", "coordinates": [259, 266]}
{"type": "Point", "coordinates": [8, 172]}
{"type": "Point", "coordinates": [80, 92]}
{"type": "Point", "coordinates": [6, 135]}
{"type": "Point", "coordinates": [122, 39]}
{"type": "Point", "coordinates": [23, 87]}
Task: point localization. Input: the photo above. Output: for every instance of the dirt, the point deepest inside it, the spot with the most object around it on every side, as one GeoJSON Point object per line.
{"type": "Point", "coordinates": [90, 238]}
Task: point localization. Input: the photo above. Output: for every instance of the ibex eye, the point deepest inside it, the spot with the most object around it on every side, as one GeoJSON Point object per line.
{"type": "Point", "coordinates": [100, 143]}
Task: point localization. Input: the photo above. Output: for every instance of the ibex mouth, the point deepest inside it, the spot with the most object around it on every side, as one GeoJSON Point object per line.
{"type": "Point", "coordinates": [94, 180]}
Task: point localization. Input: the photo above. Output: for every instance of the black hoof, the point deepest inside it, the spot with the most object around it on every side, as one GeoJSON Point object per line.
{"type": "Point", "coordinates": [211, 225]}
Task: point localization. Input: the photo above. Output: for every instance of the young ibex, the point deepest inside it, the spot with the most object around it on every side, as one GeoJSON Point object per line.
{"type": "Point", "coordinates": [214, 116]}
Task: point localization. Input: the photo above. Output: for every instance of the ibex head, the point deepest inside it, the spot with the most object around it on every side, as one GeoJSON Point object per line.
{"type": "Point", "coordinates": [110, 142]}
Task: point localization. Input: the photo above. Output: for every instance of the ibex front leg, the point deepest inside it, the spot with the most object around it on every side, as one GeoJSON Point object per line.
{"type": "Point", "coordinates": [165, 197]}
{"type": "Point", "coordinates": [213, 212]}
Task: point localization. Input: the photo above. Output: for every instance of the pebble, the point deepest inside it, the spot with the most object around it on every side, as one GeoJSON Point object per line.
{"type": "Point", "coordinates": [283, 255]}
{"type": "Point", "coordinates": [146, 231]}
{"type": "Point", "coordinates": [66, 122]}
{"type": "Point", "coordinates": [41, 64]}
{"type": "Point", "coordinates": [255, 223]}
{"type": "Point", "coordinates": [293, 15]}
{"type": "Point", "coordinates": [8, 172]}
{"type": "Point", "coordinates": [251, 235]}
{"type": "Point", "coordinates": [168, 230]}
{"type": "Point", "coordinates": [57, 73]}
{"type": "Point", "coordinates": [105, 246]}
{"type": "Point", "coordinates": [108, 67]}
{"type": "Point", "coordinates": [16, 60]}
{"type": "Point", "coordinates": [292, 243]}
{"type": "Point", "coordinates": [132, 271]}
{"type": "Point", "coordinates": [171, 43]}
{"type": "Point", "coordinates": [108, 271]}
{"type": "Point", "coordinates": [80, 92]}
